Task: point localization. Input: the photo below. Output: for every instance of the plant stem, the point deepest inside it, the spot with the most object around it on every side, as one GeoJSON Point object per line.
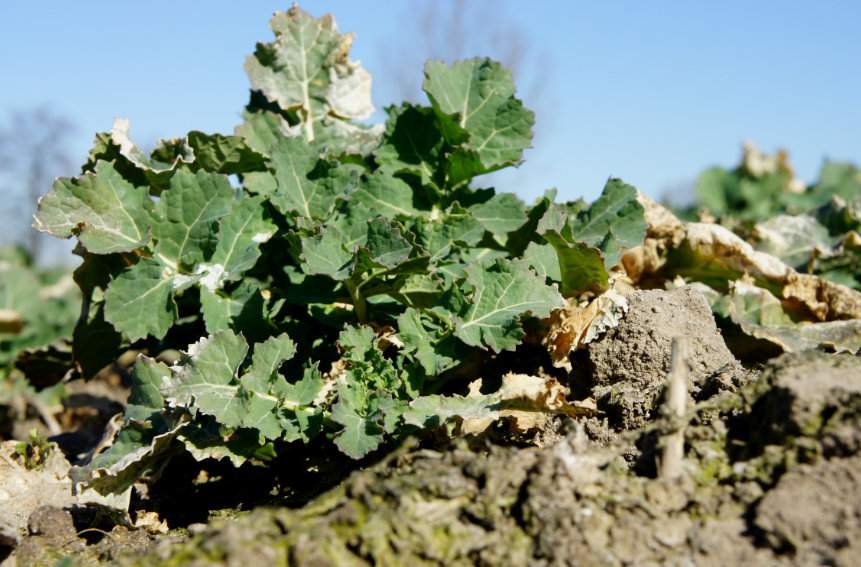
{"type": "Point", "coordinates": [359, 302]}
{"type": "Point", "coordinates": [673, 453]}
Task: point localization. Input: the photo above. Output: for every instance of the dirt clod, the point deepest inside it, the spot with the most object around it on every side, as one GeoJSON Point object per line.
{"type": "Point", "coordinates": [630, 363]}
{"type": "Point", "coordinates": [807, 394]}
{"type": "Point", "coordinates": [51, 521]}
{"type": "Point", "coordinates": [51, 535]}
{"type": "Point", "coordinates": [815, 511]}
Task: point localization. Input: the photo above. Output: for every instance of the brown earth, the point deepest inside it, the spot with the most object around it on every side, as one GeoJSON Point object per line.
{"type": "Point", "coordinates": [628, 366]}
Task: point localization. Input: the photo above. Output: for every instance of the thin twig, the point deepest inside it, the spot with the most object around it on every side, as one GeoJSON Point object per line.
{"type": "Point", "coordinates": [108, 535]}
{"type": "Point", "coordinates": [673, 453]}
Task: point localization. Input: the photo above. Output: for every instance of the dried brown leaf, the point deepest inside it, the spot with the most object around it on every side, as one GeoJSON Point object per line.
{"type": "Point", "coordinates": [529, 401]}
{"type": "Point", "coordinates": [573, 325]}
{"type": "Point", "coordinates": [728, 256]}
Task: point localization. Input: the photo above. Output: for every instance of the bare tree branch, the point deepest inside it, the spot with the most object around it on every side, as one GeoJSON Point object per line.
{"type": "Point", "coordinates": [33, 149]}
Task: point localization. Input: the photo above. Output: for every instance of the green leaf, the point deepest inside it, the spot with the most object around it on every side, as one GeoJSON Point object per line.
{"type": "Point", "coordinates": [262, 378]}
{"type": "Point", "coordinates": [222, 309]}
{"type": "Point", "coordinates": [208, 379]}
{"type": "Point", "coordinates": [764, 196]}
{"type": "Point", "coordinates": [97, 270]}
{"type": "Point", "coordinates": [385, 195]}
{"type": "Point", "coordinates": [205, 439]}
{"type": "Point", "coordinates": [337, 137]}
{"type": "Point", "coordinates": [293, 161]}
{"type": "Point", "coordinates": [793, 239]}
{"type": "Point", "coordinates": [357, 342]}
{"type": "Point", "coordinates": [430, 343]}
{"type": "Point", "coordinates": [260, 183]}
{"type": "Point", "coordinates": [105, 211]}
{"type": "Point", "coordinates": [841, 263]}
{"type": "Point", "coordinates": [614, 222]}
{"type": "Point", "coordinates": [95, 342]}
{"type": "Point", "coordinates": [17, 286]}
{"type": "Point", "coordinates": [544, 259]}
{"type": "Point", "coordinates": [437, 410]}
{"type": "Point", "coordinates": [325, 254]}
{"type": "Point", "coordinates": [517, 242]}
{"type": "Point", "coordinates": [480, 256]}
{"type": "Point", "coordinates": [412, 144]}
{"type": "Point", "coordinates": [386, 245]}
{"type": "Point", "coordinates": [206, 383]}
{"type": "Point", "coordinates": [304, 392]}
{"type": "Point", "coordinates": [139, 302]}
{"type": "Point", "coordinates": [500, 296]}
{"type": "Point", "coordinates": [240, 235]}
{"type": "Point", "coordinates": [712, 190]}
{"type": "Point", "coordinates": [420, 290]}
{"type": "Point", "coordinates": [581, 267]}
{"type": "Point", "coordinates": [368, 366]}
{"type": "Point", "coordinates": [500, 215]}
{"type": "Point", "coordinates": [475, 102]}
{"type": "Point", "coordinates": [267, 359]}
{"type": "Point", "coordinates": [555, 219]}
{"type": "Point", "coordinates": [136, 450]}
{"type": "Point", "coordinates": [306, 71]}
{"type": "Point", "coordinates": [839, 216]}
{"type": "Point", "coordinates": [37, 313]}
{"type": "Point", "coordinates": [154, 170]}
{"type": "Point", "coordinates": [761, 315]}
{"type": "Point", "coordinates": [441, 236]}
{"type": "Point", "coordinates": [262, 130]}
{"type": "Point", "coordinates": [160, 165]}
{"type": "Point", "coordinates": [362, 432]}
{"type": "Point", "coordinates": [188, 212]}
{"type": "Point", "coordinates": [145, 401]}
{"type": "Point", "coordinates": [224, 154]}
{"type": "Point", "coordinates": [836, 179]}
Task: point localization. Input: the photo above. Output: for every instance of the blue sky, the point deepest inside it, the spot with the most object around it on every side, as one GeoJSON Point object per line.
{"type": "Point", "coordinates": [652, 92]}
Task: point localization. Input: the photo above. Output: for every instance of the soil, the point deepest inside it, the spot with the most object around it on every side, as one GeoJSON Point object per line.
{"type": "Point", "coordinates": [628, 366]}
{"type": "Point", "coordinates": [771, 476]}
{"type": "Point", "coordinates": [815, 513]}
